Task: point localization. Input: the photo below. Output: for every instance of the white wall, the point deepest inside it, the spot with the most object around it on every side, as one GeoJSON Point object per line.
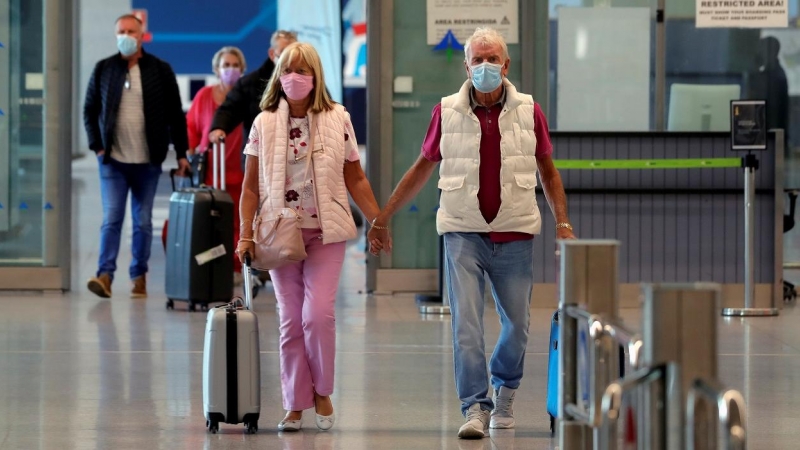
{"type": "Point", "coordinates": [95, 41]}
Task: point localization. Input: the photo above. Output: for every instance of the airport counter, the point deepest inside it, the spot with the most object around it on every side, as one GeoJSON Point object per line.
{"type": "Point", "coordinates": [675, 201]}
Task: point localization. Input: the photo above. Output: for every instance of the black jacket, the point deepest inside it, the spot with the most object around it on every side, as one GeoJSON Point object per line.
{"type": "Point", "coordinates": [241, 104]}
{"type": "Point", "coordinates": [163, 111]}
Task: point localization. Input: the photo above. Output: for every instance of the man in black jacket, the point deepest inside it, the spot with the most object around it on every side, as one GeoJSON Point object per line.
{"type": "Point", "coordinates": [132, 112]}
{"type": "Point", "coordinates": [241, 104]}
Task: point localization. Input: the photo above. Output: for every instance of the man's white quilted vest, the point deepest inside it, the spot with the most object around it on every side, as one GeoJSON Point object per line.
{"type": "Point", "coordinates": [458, 172]}
{"type": "Point", "coordinates": [327, 130]}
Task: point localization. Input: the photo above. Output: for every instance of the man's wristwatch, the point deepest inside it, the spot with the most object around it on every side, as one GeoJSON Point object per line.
{"type": "Point", "coordinates": [564, 225]}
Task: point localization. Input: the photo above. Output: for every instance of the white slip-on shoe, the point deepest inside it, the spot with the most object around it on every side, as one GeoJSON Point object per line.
{"type": "Point", "coordinates": [503, 413]}
{"type": "Point", "coordinates": [290, 425]}
{"type": "Point", "coordinates": [477, 423]}
{"type": "Point", "coordinates": [325, 423]}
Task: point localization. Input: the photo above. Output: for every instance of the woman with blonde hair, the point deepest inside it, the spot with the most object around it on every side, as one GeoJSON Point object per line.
{"type": "Point", "coordinates": [229, 65]}
{"type": "Point", "coordinates": [300, 121]}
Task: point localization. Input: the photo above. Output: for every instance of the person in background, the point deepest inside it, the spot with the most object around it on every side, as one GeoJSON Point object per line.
{"type": "Point", "coordinates": [241, 105]}
{"type": "Point", "coordinates": [300, 121]}
{"type": "Point", "coordinates": [228, 64]}
{"type": "Point", "coordinates": [491, 141]}
{"type": "Point", "coordinates": [767, 81]}
{"type": "Point", "coordinates": [131, 114]}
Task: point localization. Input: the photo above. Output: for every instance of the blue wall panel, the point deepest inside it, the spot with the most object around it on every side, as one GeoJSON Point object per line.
{"type": "Point", "coordinates": [188, 33]}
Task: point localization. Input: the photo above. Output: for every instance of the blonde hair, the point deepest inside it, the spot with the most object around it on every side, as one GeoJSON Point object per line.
{"type": "Point", "coordinates": [486, 36]}
{"type": "Point", "coordinates": [274, 92]}
{"type": "Point", "coordinates": [224, 51]}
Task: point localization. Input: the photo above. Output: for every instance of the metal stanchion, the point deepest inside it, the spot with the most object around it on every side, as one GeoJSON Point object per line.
{"type": "Point", "coordinates": [588, 279]}
{"type": "Point", "coordinates": [750, 165]}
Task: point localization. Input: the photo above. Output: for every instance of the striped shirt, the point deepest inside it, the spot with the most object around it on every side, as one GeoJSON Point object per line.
{"type": "Point", "coordinates": [130, 140]}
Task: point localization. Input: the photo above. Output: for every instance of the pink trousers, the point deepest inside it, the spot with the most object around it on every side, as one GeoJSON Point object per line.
{"type": "Point", "coordinates": [306, 293]}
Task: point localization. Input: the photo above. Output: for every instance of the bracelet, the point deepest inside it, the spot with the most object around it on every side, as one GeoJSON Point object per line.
{"type": "Point", "coordinates": [372, 224]}
{"type": "Point", "coordinates": [246, 240]}
{"type": "Point", "coordinates": [564, 225]}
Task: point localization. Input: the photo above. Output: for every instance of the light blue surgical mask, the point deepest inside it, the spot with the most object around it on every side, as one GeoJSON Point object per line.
{"type": "Point", "coordinates": [127, 45]}
{"type": "Point", "coordinates": [487, 77]}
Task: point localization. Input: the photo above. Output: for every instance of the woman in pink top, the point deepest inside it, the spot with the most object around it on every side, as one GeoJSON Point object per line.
{"type": "Point", "coordinates": [228, 64]}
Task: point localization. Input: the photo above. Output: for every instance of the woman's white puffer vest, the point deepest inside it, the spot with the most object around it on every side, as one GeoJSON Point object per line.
{"type": "Point", "coordinates": [328, 159]}
{"type": "Point", "coordinates": [458, 172]}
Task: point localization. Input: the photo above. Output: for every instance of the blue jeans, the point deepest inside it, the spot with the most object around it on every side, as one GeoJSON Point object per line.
{"type": "Point", "coordinates": [509, 266]}
{"type": "Point", "coordinates": [116, 179]}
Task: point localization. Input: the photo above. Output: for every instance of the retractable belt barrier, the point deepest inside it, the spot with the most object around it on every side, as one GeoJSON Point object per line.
{"type": "Point", "coordinates": [671, 397]}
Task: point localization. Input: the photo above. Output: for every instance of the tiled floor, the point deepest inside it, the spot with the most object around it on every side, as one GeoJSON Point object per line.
{"type": "Point", "coordinates": [78, 372]}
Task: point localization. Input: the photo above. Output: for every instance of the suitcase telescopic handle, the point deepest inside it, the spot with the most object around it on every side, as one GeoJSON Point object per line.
{"type": "Point", "coordinates": [219, 164]}
{"type": "Point", "coordinates": [248, 282]}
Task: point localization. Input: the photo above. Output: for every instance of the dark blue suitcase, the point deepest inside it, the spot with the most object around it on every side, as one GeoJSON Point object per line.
{"type": "Point", "coordinates": [200, 245]}
{"type": "Point", "coordinates": [552, 373]}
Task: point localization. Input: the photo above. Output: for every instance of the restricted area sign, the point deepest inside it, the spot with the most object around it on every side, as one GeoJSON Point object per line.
{"type": "Point", "coordinates": [742, 14]}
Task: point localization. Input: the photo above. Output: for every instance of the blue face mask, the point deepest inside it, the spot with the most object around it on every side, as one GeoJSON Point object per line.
{"type": "Point", "coordinates": [127, 45]}
{"type": "Point", "coordinates": [487, 77]}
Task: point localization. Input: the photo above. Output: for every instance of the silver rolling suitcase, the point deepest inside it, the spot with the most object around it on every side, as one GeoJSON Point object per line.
{"type": "Point", "coordinates": [232, 364]}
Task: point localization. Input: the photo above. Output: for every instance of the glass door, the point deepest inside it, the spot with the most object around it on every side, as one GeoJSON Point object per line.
{"type": "Point", "coordinates": [35, 123]}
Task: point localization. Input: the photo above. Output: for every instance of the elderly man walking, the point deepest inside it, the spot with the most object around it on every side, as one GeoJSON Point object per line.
{"type": "Point", "coordinates": [132, 113]}
{"type": "Point", "coordinates": [490, 140]}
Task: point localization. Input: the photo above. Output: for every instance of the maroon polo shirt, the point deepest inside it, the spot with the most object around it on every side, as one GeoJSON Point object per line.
{"type": "Point", "coordinates": [489, 170]}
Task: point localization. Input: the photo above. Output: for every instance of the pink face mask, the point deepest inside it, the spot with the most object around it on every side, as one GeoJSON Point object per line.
{"type": "Point", "coordinates": [230, 75]}
{"type": "Point", "coordinates": [296, 86]}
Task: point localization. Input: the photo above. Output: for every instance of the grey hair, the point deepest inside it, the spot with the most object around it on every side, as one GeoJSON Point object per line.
{"type": "Point", "coordinates": [486, 36]}
{"type": "Point", "coordinates": [290, 36]}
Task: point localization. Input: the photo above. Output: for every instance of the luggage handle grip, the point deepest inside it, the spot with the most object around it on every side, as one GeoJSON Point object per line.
{"type": "Point", "coordinates": [173, 172]}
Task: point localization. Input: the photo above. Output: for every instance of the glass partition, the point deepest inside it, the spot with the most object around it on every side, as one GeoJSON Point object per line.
{"type": "Point", "coordinates": [22, 146]}
{"type": "Point", "coordinates": [35, 140]}
{"type": "Point", "coordinates": [601, 69]}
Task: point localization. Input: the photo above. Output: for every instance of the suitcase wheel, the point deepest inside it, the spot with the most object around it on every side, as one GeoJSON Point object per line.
{"type": "Point", "coordinates": [552, 425]}
{"type": "Point", "coordinates": [251, 428]}
{"type": "Point", "coordinates": [192, 306]}
{"type": "Point", "coordinates": [170, 304]}
{"type": "Point", "coordinates": [213, 426]}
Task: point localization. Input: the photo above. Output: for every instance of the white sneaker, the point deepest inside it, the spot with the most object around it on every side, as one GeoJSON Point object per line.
{"type": "Point", "coordinates": [503, 413]}
{"type": "Point", "coordinates": [477, 423]}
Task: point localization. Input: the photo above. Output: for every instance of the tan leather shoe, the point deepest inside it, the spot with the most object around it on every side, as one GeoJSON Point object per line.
{"type": "Point", "coordinates": [139, 287]}
{"type": "Point", "coordinates": [100, 285]}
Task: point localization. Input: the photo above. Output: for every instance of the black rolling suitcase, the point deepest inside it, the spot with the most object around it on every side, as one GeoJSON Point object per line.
{"type": "Point", "coordinates": [200, 243]}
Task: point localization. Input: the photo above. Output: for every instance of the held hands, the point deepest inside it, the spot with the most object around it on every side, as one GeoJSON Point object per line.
{"type": "Point", "coordinates": [379, 237]}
